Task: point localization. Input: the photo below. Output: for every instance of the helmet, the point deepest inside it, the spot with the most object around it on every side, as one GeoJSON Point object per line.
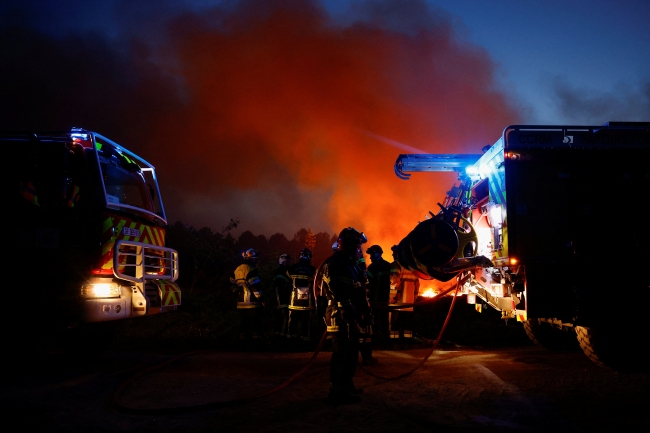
{"type": "Point", "coordinates": [250, 254]}
{"type": "Point", "coordinates": [350, 238]}
{"type": "Point", "coordinates": [305, 253]}
{"type": "Point", "coordinates": [374, 249]}
{"type": "Point", "coordinates": [284, 259]}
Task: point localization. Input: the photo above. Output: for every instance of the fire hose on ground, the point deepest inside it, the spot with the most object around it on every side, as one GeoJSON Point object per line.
{"type": "Point", "coordinates": [117, 401]}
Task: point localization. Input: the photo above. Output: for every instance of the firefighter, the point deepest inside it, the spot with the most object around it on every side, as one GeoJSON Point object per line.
{"type": "Point", "coordinates": [405, 287]}
{"type": "Point", "coordinates": [379, 289]}
{"type": "Point", "coordinates": [302, 303]}
{"type": "Point", "coordinates": [282, 286]}
{"type": "Point", "coordinates": [320, 293]}
{"type": "Point", "coordinates": [347, 314]}
{"type": "Point", "coordinates": [365, 340]}
{"type": "Point", "coordinates": [248, 290]}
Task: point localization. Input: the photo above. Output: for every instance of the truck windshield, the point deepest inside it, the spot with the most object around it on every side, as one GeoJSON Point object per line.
{"type": "Point", "coordinates": [126, 187]}
{"type": "Point", "coordinates": [129, 182]}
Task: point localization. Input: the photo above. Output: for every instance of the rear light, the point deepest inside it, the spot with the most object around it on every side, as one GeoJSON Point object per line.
{"type": "Point", "coordinates": [102, 271]}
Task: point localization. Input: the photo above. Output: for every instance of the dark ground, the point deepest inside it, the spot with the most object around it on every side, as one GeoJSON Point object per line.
{"type": "Point", "coordinates": [484, 376]}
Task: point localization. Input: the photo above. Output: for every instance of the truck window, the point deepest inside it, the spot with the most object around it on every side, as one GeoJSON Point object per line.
{"type": "Point", "coordinates": [126, 186]}
{"type": "Point", "coordinates": [51, 176]}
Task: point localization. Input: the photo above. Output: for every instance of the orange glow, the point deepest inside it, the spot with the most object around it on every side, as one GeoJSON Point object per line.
{"type": "Point", "coordinates": [428, 293]}
{"type": "Point", "coordinates": [285, 109]}
{"type": "Point", "coordinates": [513, 261]}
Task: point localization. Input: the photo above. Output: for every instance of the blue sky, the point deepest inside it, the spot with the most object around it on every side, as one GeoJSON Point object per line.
{"type": "Point", "coordinates": [595, 50]}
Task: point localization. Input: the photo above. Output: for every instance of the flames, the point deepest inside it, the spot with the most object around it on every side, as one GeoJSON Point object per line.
{"type": "Point", "coordinates": [429, 293]}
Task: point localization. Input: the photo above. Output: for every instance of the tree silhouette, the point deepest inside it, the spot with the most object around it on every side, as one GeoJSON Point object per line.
{"type": "Point", "coordinates": [310, 240]}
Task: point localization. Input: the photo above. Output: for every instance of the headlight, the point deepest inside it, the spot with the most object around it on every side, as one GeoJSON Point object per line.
{"type": "Point", "coordinates": [101, 290]}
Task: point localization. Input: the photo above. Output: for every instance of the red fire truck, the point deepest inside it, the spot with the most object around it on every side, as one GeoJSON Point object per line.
{"type": "Point", "coordinates": [88, 231]}
{"type": "Point", "coordinates": [549, 224]}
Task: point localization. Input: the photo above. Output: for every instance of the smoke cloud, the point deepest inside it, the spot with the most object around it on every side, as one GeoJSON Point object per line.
{"type": "Point", "coordinates": [271, 112]}
{"type": "Point", "coordinates": [581, 106]}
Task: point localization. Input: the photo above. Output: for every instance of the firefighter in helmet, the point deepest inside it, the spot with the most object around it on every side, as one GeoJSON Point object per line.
{"type": "Point", "coordinates": [405, 287]}
{"type": "Point", "coordinates": [347, 315]}
{"type": "Point", "coordinates": [282, 286]}
{"type": "Point", "coordinates": [379, 289]}
{"type": "Point", "coordinates": [248, 290]}
{"type": "Point", "coordinates": [302, 303]}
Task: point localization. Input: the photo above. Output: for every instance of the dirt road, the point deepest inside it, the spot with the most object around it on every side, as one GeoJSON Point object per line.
{"type": "Point", "coordinates": [457, 390]}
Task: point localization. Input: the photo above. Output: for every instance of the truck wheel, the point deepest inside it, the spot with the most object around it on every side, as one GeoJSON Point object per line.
{"type": "Point", "coordinates": [613, 347]}
{"type": "Point", "coordinates": [545, 335]}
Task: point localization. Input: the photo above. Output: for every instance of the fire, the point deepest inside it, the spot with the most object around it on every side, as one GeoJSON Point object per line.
{"type": "Point", "coordinates": [428, 293]}
{"type": "Point", "coordinates": [318, 120]}
{"type": "Point", "coordinates": [282, 116]}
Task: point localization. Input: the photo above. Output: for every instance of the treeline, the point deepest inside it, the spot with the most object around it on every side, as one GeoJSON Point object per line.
{"type": "Point", "coordinates": [207, 258]}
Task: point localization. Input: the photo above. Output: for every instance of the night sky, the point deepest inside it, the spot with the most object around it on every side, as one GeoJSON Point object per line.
{"type": "Point", "coordinates": [290, 114]}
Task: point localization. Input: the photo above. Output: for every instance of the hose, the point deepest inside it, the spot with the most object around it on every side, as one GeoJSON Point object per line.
{"type": "Point", "coordinates": [117, 403]}
{"type": "Point", "coordinates": [435, 343]}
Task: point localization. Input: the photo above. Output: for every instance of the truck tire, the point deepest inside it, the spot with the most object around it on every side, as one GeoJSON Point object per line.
{"type": "Point", "coordinates": [545, 335]}
{"type": "Point", "coordinates": [615, 348]}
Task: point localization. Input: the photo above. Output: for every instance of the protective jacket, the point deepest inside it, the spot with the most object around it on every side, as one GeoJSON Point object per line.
{"type": "Point", "coordinates": [405, 286]}
{"type": "Point", "coordinates": [283, 287]}
{"type": "Point", "coordinates": [379, 281]}
{"type": "Point", "coordinates": [348, 309]}
{"type": "Point", "coordinates": [301, 276]}
{"type": "Point", "coordinates": [247, 286]}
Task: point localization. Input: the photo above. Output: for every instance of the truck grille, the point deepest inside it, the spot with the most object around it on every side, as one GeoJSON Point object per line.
{"type": "Point", "coordinates": [137, 261]}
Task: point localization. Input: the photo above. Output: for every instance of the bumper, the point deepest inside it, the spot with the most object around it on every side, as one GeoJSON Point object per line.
{"type": "Point", "coordinates": [103, 310]}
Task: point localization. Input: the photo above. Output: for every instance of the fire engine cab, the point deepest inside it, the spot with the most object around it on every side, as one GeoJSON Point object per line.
{"type": "Point", "coordinates": [87, 229]}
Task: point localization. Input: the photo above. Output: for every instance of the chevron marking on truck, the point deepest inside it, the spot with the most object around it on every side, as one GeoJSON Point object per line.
{"type": "Point", "coordinates": [170, 293]}
{"type": "Point", "coordinates": [496, 184]}
{"type": "Point", "coordinates": [149, 235]}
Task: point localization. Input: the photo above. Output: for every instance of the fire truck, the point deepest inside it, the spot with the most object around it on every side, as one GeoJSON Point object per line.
{"type": "Point", "coordinates": [87, 229]}
{"type": "Point", "coordinates": [547, 226]}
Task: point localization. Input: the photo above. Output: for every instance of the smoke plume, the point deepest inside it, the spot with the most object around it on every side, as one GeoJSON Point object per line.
{"type": "Point", "coordinates": [271, 112]}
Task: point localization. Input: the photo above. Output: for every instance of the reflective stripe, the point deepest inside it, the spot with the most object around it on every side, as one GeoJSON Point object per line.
{"type": "Point", "coordinates": [29, 192]}
{"type": "Point", "coordinates": [74, 198]}
{"type": "Point", "coordinates": [246, 305]}
{"type": "Point", "coordinates": [170, 293]}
